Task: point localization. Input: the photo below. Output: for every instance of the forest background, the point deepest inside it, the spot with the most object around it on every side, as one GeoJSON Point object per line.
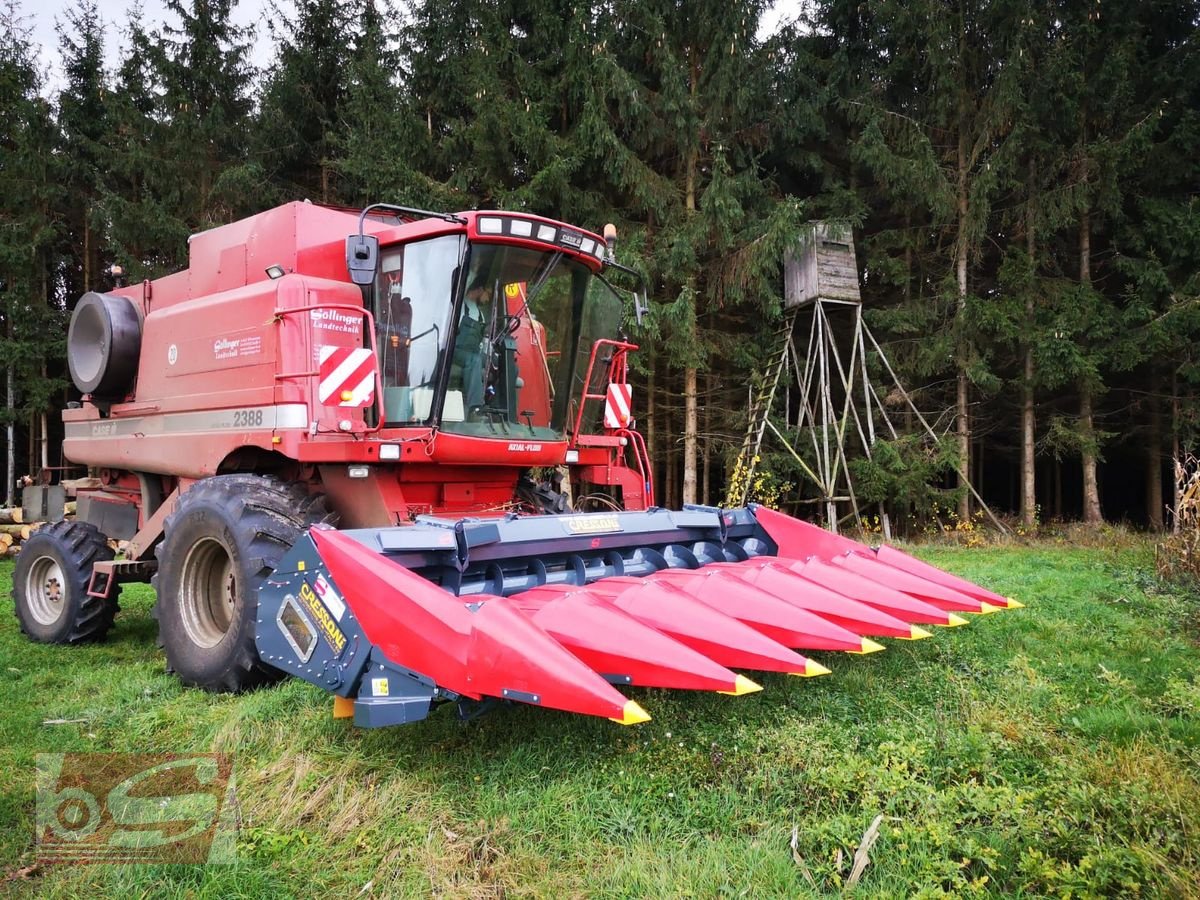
{"type": "Point", "coordinates": [1021, 177]}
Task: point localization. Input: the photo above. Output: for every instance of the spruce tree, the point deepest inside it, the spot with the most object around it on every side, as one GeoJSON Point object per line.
{"type": "Point", "coordinates": [205, 105]}
{"type": "Point", "coordinates": [84, 124]}
{"type": "Point", "coordinates": [139, 197]}
{"type": "Point", "coordinates": [302, 99]}
{"type": "Point", "coordinates": [936, 138]}
{"type": "Point", "coordinates": [32, 322]}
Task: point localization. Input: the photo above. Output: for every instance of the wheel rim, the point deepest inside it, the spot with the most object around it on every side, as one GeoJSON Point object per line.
{"type": "Point", "coordinates": [46, 590]}
{"type": "Point", "coordinates": [209, 589]}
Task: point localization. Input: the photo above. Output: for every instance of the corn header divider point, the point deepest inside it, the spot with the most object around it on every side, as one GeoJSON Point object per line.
{"type": "Point", "coordinates": [407, 373]}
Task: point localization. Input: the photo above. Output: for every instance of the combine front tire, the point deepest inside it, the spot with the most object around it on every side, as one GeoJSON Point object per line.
{"type": "Point", "coordinates": [227, 535]}
{"type": "Point", "coordinates": [50, 583]}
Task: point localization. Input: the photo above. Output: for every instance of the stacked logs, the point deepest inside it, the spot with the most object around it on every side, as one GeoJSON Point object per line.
{"type": "Point", "coordinates": [14, 529]}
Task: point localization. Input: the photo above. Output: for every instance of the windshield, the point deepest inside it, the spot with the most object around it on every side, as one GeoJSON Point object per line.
{"type": "Point", "coordinates": [526, 317]}
{"type": "Point", "coordinates": [413, 294]}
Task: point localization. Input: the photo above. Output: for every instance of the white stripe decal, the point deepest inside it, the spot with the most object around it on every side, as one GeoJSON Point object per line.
{"type": "Point", "coordinates": [617, 405]}
{"type": "Point", "coordinates": [332, 383]}
{"type": "Point", "coordinates": [274, 418]}
{"type": "Point", "coordinates": [364, 390]}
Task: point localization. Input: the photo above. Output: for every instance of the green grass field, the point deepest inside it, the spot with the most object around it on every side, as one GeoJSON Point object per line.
{"type": "Point", "coordinates": [1053, 750]}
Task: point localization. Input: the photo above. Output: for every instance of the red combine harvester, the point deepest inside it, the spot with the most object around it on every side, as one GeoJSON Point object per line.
{"type": "Point", "coordinates": [422, 383]}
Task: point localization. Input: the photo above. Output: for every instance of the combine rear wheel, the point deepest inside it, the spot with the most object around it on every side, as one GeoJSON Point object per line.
{"type": "Point", "coordinates": [50, 584]}
{"type": "Point", "coordinates": [227, 535]}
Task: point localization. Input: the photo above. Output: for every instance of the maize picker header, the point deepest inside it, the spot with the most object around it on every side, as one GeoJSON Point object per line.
{"type": "Point", "coordinates": [423, 384]}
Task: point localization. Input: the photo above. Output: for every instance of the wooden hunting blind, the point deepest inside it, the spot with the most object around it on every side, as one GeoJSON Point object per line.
{"type": "Point", "coordinates": [822, 375]}
{"type": "Point", "coordinates": [821, 264]}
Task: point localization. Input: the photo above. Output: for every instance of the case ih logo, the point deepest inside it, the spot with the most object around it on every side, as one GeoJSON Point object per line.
{"type": "Point", "coordinates": [134, 807]}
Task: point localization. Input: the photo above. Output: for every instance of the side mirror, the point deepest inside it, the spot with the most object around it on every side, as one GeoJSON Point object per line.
{"type": "Point", "coordinates": [641, 304]}
{"type": "Point", "coordinates": [362, 258]}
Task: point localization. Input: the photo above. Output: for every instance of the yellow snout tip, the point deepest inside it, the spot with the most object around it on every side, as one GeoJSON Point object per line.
{"type": "Point", "coordinates": [987, 608]}
{"type": "Point", "coordinates": [1014, 604]}
{"type": "Point", "coordinates": [812, 669]}
{"type": "Point", "coordinates": [953, 621]}
{"type": "Point", "coordinates": [632, 714]}
{"type": "Point", "coordinates": [868, 646]}
{"type": "Point", "coordinates": [742, 685]}
{"type": "Point", "coordinates": [917, 634]}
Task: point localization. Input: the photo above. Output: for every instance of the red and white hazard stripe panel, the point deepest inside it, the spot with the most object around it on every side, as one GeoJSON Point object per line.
{"type": "Point", "coordinates": [618, 405]}
{"type": "Point", "coordinates": [347, 376]}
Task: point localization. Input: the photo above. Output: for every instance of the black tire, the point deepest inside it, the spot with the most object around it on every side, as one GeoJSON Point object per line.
{"type": "Point", "coordinates": [50, 583]}
{"type": "Point", "coordinates": [227, 534]}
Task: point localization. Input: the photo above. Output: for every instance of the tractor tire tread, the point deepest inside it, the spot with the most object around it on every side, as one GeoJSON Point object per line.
{"type": "Point", "coordinates": [270, 515]}
{"type": "Point", "coordinates": [81, 545]}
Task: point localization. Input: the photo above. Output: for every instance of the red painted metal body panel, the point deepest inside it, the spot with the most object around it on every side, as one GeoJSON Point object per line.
{"type": "Point", "coordinates": [492, 650]}
{"type": "Point", "coordinates": [718, 636]}
{"type": "Point", "coordinates": [898, 560]}
{"type": "Point", "coordinates": [802, 540]}
{"type": "Point", "coordinates": [784, 622]}
{"type": "Point", "coordinates": [913, 585]}
{"type": "Point", "coordinates": [612, 642]}
{"type": "Point", "coordinates": [772, 576]}
{"type": "Point", "coordinates": [893, 602]}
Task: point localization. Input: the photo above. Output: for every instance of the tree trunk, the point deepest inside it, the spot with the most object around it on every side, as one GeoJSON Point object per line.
{"type": "Point", "coordinates": [1028, 422]}
{"type": "Point", "coordinates": [1176, 457]}
{"type": "Point", "coordinates": [690, 420]}
{"type": "Point", "coordinates": [10, 431]}
{"type": "Point", "coordinates": [1089, 453]}
{"type": "Point", "coordinates": [87, 255]}
{"type": "Point", "coordinates": [1154, 491]}
{"type": "Point", "coordinates": [1058, 489]}
{"type": "Point", "coordinates": [652, 428]}
{"type": "Point", "coordinates": [690, 430]}
{"type": "Point", "coordinates": [1091, 489]}
{"type": "Point", "coordinates": [669, 446]}
{"type": "Point", "coordinates": [963, 396]}
{"type": "Point", "coordinates": [706, 466]}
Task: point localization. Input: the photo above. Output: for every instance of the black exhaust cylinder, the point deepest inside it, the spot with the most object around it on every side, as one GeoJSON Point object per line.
{"type": "Point", "coordinates": [103, 344]}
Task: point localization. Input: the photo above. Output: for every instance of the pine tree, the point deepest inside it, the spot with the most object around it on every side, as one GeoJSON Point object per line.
{"type": "Point", "coordinates": [302, 99]}
{"type": "Point", "coordinates": [205, 104]}
{"type": "Point", "coordinates": [379, 140]}
{"type": "Point", "coordinates": [33, 325]}
{"type": "Point", "coordinates": [139, 208]}
{"type": "Point", "coordinates": [936, 138]}
{"type": "Point", "coordinates": [674, 123]}
{"type": "Point", "coordinates": [84, 124]}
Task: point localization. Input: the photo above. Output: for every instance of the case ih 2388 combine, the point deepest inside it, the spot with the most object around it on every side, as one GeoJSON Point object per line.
{"type": "Point", "coordinates": [406, 384]}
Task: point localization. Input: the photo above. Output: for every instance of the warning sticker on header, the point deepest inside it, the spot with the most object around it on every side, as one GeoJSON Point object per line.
{"type": "Point", "coordinates": [592, 524]}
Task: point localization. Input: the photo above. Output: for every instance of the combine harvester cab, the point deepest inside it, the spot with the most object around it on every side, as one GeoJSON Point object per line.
{"type": "Point", "coordinates": [413, 377]}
